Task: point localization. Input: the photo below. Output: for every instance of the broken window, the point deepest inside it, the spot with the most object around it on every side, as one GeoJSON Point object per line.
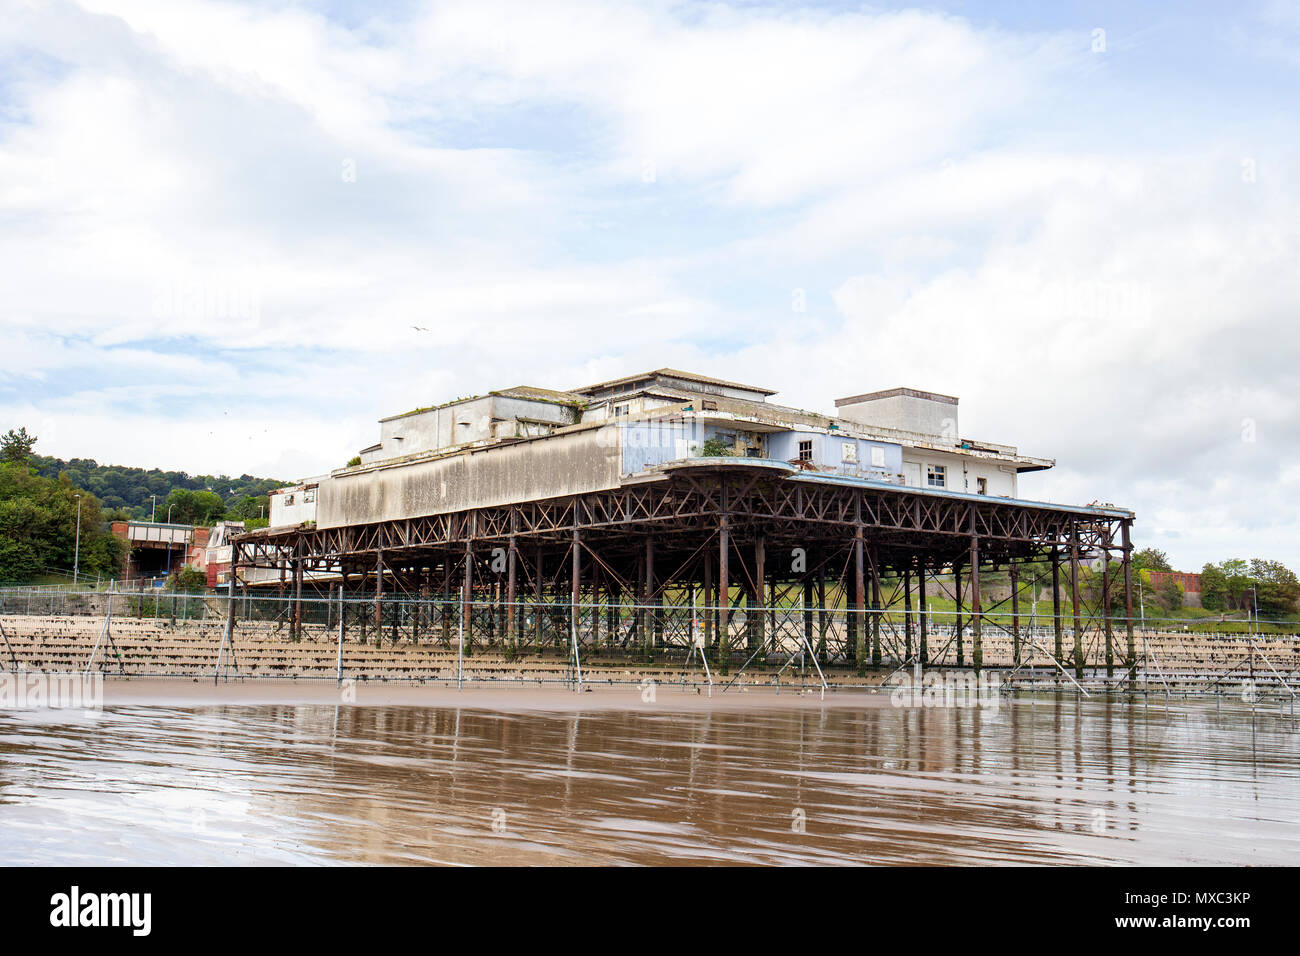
{"type": "Point", "coordinates": [850, 452]}
{"type": "Point", "coordinates": [288, 501]}
{"type": "Point", "coordinates": [936, 476]}
{"type": "Point", "coordinates": [982, 486]}
{"type": "Point", "coordinates": [805, 450]}
{"type": "Point", "coordinates": [308, 497]}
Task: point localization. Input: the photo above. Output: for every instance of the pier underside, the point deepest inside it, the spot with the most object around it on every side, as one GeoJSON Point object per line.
{"type": "Point", "coordinates": [733, 559]}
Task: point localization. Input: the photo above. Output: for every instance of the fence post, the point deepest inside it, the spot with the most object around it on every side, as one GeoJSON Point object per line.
{"type": "Point", "coordinates": [340, 661]}
{"type": "Point", "coordinates": [228, 636]}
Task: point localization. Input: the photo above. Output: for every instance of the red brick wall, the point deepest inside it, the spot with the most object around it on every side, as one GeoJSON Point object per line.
{"type": "Point", "coordinates": [1191, 582]}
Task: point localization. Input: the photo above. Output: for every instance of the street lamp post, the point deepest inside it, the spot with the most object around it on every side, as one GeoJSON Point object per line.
{"type": "Point", "coordinates": [76, 553]}
{"type": "Point", "coordinates": [153, 515]}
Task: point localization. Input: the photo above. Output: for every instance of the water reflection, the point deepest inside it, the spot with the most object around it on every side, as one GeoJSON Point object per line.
{"type": "Point", "coordinates": [1052, 780]}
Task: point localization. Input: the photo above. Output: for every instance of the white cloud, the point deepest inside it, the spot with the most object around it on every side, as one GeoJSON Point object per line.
{"type": "Point", "coordinates": [191, 280]}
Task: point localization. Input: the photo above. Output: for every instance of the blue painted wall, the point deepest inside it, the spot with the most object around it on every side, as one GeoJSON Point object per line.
{"type": "Point", "coordinates": [652, 443]}
{"type": "Point", "coordinates": [646, 444]}
{"type": "Point", "coordinates": [828, 452]}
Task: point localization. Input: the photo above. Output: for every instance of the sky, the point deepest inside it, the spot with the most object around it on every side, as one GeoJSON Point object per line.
{"type": "Point", "coordinates": [234, 235]}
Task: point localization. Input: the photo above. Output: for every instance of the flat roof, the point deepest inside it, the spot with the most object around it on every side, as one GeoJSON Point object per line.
{"type": "Point", "coordinates": [430, 408]}
{"type": "Point", "coordinates": [791, 473]}
{"type": "Point", "coordinates": [677, 373]}
{"type": "Point", "coordinates": [896, 392]}
{"type": "Point", "coordinates": [534, 394]}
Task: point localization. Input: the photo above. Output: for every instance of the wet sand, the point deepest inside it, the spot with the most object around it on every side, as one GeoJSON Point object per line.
{"type": "Point", "coordinates": [509, 699]}
{"type": "Point", "coordinates": [178, 772]}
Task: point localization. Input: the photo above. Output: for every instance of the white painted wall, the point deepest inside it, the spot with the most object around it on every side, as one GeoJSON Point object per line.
{"type": "Point", "coordinates": [963, 472]}
{"type": "Point", "coordinates": [293, 505]}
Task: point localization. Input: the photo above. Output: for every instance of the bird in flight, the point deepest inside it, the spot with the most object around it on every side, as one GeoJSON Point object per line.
{"type": "Point", "coordinates": [419, 328]}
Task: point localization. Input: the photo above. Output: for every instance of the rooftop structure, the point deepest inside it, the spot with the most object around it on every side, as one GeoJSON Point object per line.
{"type": "Point", "coordinates": [652, 486]}
{"type": "Point", "coordinates": [904, 436]}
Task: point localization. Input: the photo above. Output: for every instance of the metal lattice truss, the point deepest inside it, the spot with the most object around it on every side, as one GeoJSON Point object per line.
{"type": "Point", "coordinates": [817, 555]}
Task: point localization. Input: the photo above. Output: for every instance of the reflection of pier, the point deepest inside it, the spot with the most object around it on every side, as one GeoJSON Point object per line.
{"type": "Point", "coordinates": [1051, 782]}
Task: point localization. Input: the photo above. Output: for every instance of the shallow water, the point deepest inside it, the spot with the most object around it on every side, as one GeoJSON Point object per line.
{"type": "Point", "coordinates": [1045, 781]}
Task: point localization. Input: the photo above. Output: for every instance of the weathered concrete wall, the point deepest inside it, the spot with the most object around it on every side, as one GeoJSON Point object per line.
{"type": "Point", "coordinates": [908, 412]}
{"type": "Point", "coordinates": [461, 423]}
{"type": "Point", "coordinates": [547, 468]}
{"type": "Point", "coordinates": [441, 427]}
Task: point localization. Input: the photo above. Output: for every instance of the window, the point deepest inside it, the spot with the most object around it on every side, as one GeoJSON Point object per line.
{"type": "Point", "coordinates": [982, 486]}
{"type": "Point", "coordinates": [288, 501]}
{"type": "Point", "coordinates": [308, 497]}
{"type": "Point", "coordinates": [805, 450]}
{"type": "Point", "coordinates": [621, 410]}
{"type": "Point", "coordinates": [936, 476]}
{"type": "Point", "coordinates": [850, 452]}
{"type": "Point", "coordinates": [709, 406]}
{"type": "Point", "coordinates": [877, 457]}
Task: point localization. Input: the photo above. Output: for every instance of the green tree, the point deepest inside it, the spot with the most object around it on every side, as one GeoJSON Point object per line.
{"type": "Point", "coordinates": [1169, 594]}
{"type": "Point", "coordinates": [16, 446]}
{"type": "Point", "coordinates": [1236, 573]}
{"type": "Point", "coordinates": [249, 508]}
{"type": "Point", "coordinates": [192, 507]}
{"type": "Point", "coordinates": [1151, 559]}
{"type": "Point", "coordinates": [1214, 588]}
{"type": "Point", "coordinates": [187, 579]}
{"type": "Point", "coordinates": [38, 527]}
{"type": "Point", "coordinates": [1091, 584]}
{"type": "Point", "coordinates": [1276, 587]}
{"type": "Point", "coordinates": [715, 448]}
{"type": "Point", "coordinates": [132, 488]}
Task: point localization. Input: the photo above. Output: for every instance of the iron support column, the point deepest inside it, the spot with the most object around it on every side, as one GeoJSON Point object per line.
{"type": "Point", "coordinates": [1015, 614]}
{"type": "Point", "coordinates": [1131, 658]}
{"type": "Point", "coordinates": [977, 637]}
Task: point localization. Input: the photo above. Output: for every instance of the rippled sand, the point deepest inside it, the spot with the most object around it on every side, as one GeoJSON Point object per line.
{"type": "Point", "coordinates": [191, 774]}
